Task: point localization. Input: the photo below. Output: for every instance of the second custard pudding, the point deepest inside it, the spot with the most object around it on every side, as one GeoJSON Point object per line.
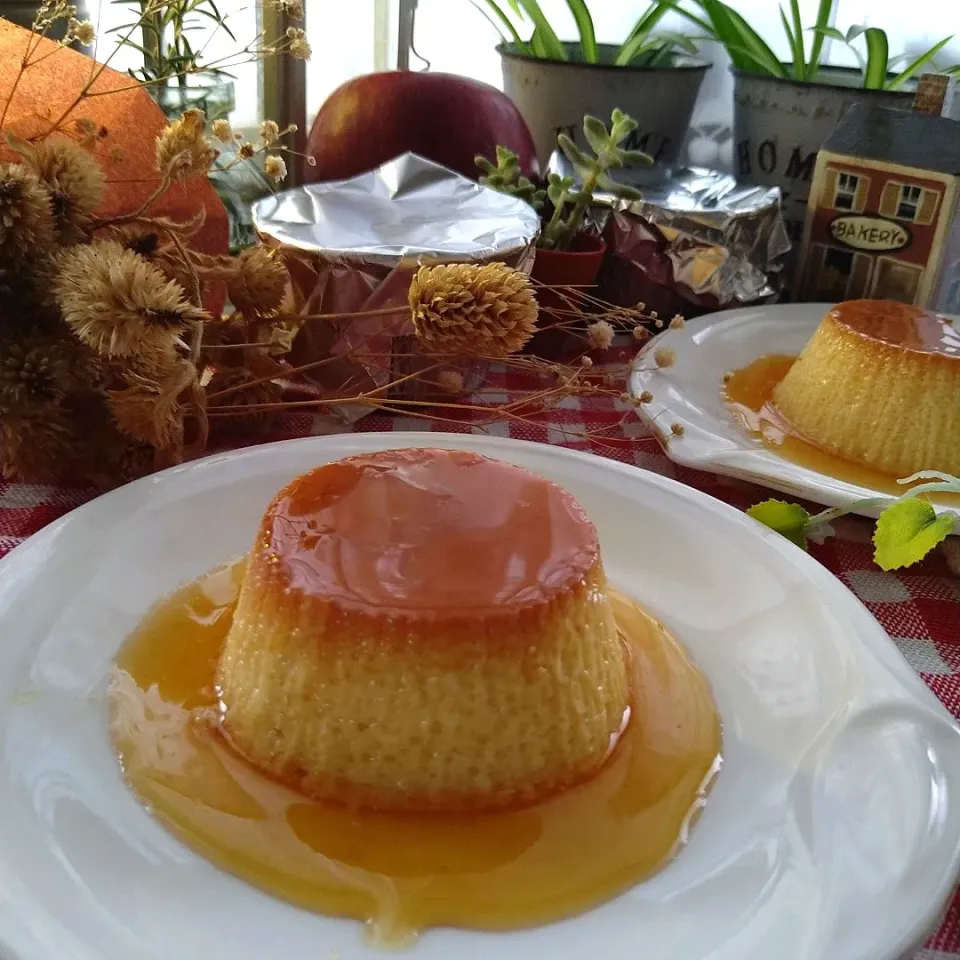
{"type": "Point", "coordinates": [424, 630]}
{"type": "Point", "coordinates": [878, 383]}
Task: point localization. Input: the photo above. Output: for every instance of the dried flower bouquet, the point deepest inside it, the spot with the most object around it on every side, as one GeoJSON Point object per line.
{"type": "Point", "coordinates": [116, 357]}
{"type": "Point", "coordinates": [103, 374]}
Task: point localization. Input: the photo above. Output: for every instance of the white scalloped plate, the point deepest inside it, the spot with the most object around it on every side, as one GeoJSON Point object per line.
{"type": "Point", "coordinates": [832, 833]}
{"type": "Point", "coordinates": [690, 393]}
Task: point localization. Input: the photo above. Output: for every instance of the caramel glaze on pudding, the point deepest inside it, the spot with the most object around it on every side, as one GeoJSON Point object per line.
{"type": "Point", "coordinates": [878, 384]}
{"type": "Point", "coordinates": [424, 630]}
{"type": "Point", "coordinates": [402, 873]}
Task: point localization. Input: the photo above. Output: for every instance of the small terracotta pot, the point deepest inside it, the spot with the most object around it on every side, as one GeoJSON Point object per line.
{"type": "Point", "coordinates": [577, 267]}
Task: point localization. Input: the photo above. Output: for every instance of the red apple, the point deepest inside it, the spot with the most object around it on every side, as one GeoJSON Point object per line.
{"type": "Point", "coordinates": [445, 118]}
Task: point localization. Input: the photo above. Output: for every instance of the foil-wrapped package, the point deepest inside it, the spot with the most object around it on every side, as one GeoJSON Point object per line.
{"type": "Point", "coordinates": [352, 247]}
{"type": "Point", "coordinates": [698, 241]}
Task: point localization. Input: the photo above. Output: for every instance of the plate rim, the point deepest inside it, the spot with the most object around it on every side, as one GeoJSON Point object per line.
{"type": "Point", "coordinates": [834, 594]}
{"type": "Point", "coordinates": [809, 484]}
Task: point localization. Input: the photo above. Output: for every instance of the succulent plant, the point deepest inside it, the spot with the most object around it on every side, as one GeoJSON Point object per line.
{"type": "Point", "coordinates": [505, 177]}
{"type": "Point", "coordinates": [570, 197]}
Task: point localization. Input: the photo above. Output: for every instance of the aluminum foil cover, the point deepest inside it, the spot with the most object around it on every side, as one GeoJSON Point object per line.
{"type": "Point", "coordinates": [698, 241]}
{"type": "Point", "coordinates": [352, 246]}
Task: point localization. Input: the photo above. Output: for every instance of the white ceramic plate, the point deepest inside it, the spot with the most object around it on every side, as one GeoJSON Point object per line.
{"type": "Point", "coordinates": [832, 833]}
{"type": "Point", "coordinates": [689, 393]}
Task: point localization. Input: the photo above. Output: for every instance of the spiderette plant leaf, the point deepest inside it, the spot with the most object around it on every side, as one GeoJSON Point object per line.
{"type": "Point", "coordinates": [558, 189]}
{"type": "Point", "coordinates": [635, 158]}
{"type": "Point", "coordinates": [750, 52]}
{"type": "Point", "coordinates": [622, 127]}
{"type": "Point", "coordinates": [610, 158]}
{"type": "Point", "coordinates": [578, 159]}
{"type": "Point", "coordinates": [596, 134]}
{"type": "Point", "coordinates": [622, 190]}
{"type": "Point", "coordinates": [645, 45]}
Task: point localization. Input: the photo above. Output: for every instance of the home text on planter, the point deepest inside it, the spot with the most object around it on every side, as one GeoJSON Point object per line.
{"type": "Point", "coordinates": [794, 163]}
{"type": "Point", "coordinates": [788, 167]}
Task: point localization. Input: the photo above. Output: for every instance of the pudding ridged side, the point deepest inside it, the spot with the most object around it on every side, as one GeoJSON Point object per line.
{"type": "Point", "coordinates": [896, 411]}
{"type": "Point", "coordinates": [422, 712]}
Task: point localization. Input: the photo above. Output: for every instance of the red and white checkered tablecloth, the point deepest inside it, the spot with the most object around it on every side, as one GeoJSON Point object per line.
{"type": "Point", "coordinates": [919, 608]}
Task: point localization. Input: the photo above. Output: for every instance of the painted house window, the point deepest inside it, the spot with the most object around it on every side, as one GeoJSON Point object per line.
{"type": "Point", "coordinates": [834, 274]}
{"type": "Point", "coordinates": [909, 203]}
{"type": "Point", "coordinates": [896, 280]}
{"type": "Point", "coordinates": [837, 274]}
{"type": "Point", "coordinates": [846, 196]}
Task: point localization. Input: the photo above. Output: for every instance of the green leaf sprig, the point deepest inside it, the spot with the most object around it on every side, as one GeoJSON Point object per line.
{"type": "Point", "coordinates": [907, 529]}
{"type": "Point", "coordinates": [568, 201]}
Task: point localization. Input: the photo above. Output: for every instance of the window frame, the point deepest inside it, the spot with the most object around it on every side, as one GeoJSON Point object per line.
{"type": "Point", "coordinates": [846, 191]}
{"type": "Point", "coordinates": [905, 202]}
{"type": "Point", "coordinates": [896, 263]}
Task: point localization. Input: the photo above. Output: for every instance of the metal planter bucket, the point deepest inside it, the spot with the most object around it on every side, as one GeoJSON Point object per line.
{"type": "Point", "coordinates": [554, 96]}
{"type": "Point", "coordinates": [779, 125]}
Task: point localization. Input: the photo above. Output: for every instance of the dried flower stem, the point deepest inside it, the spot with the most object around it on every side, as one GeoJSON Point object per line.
{"type": "Point", "coordinates": [287, 374]}
{"type": "Point", "coordinates": [254, 50]}
{"type": "Point", "coordinates": [228, 62]}
{"type": "Point", "coordinates": [196, 296]}
{"type": "Point", "coordinates": [379, 312]}
{"type": "Point", "coordinates": [365, 397]}
{"type": "Point", "coordinates": [33, 41]}
{"type": "Point", "coordinates": [136, 215]}
{"type": "Point", "coordinates": [96, 71]}
{"type": "Point", "coordinates": [33, 44]}
{"type": "Point", "coordinates": [199, 397]}
{"type": "Point", "coordinates": [185, 228]}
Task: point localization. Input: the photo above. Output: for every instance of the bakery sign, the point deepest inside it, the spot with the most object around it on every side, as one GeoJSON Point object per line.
{"type": "Point", "coordinates": [874, 234]}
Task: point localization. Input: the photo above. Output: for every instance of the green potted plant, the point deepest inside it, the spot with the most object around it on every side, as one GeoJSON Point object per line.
{"type": "Point", "coordinates": [783, 111]}
{"type": "Point", "coordinates": [568, 255]}
{"type": "Point", "coordinates": [652, 75]}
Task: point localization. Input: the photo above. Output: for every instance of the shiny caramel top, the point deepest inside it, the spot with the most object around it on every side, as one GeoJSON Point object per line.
{"type": "Point", "coordinates": [428, 531]}
{"type": "Point", "coordinates": [900, 325]}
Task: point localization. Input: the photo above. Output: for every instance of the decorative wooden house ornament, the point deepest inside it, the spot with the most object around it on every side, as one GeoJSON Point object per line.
{"type": "Point", "coordinates": [882, 219]}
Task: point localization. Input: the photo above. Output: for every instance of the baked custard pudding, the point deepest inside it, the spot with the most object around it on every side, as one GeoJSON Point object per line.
{"type": "Point", "coordinates": [874, 396]}
{"type": "Point", "coordinates": [417, 703]}
{"type": "Point", "coordinates": [879, 384]}
{"type": "Point", "coordinates": [424, 630]}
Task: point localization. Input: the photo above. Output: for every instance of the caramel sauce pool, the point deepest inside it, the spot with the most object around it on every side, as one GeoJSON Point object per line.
{"type": "Point", "coordinates": [403, 874]}
{"type": "Point", "coordinates": [749, 393]}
